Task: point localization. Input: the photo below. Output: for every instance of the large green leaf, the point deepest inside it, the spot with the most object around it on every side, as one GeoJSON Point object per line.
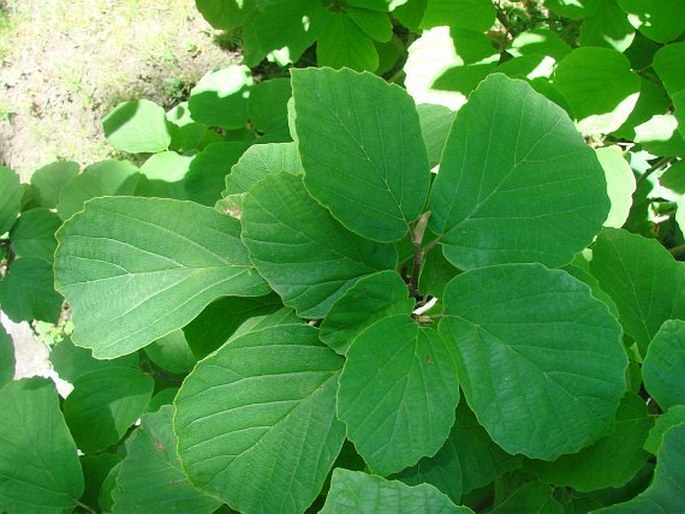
{"type": "Point", "coordinates": [599, 86]}
{"type": "Point", "coordinates": [669, 64]}
{"type": "Point", "coordinates": [373, 297]}
{"type": "Point", "coordinates": [610, 462]}
{"type": "Point", "coordinates": [109, 177]}
{"type": "Point", "coordinates": [256, 420]}
{"type": "Point", "coordinates": [226, 14]}
{"type": "Point", "coordinates": [38, 461]}
{"type": "Point", "coordinates": [517, 183]}
{"type": "Point", "coordinates": [374, 175]}
{"type": "Point", "coordinates": [644, 280]}
{"type": "Point", "coordinates": [27, 293]}
{"type": "Point", "coordinates": [354, 491]}
{"type": "Point", "coordinates": [664, 363]}
{"type": "Point", "coordinates": [51, 179]}
{"type": "Point", "coordinates": [7, 361]}
{"type": "Point", "coordinates": [536, 350]}
{"type": "Point", "coordinates": [108, 396]}
{"type": "Point", "coordinates": [138, 126]}
{"type": "Point", "coordinates": [10, 198]}
{"type": "Point", "coordinates": [150, 479]}
{"type": "Point", "coordinates": [659, 20]}
{"type": "Point", "coordinates": [666, 493]}
{"type": "Point", "coordinates": [398, 392]}
{"type": "Point", "coordinates": [297, 246]}
{"type": "Point", "coordinates": [143, 267]}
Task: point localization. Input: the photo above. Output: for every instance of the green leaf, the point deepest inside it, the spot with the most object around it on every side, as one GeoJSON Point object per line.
{"type": "Point", "coordinates": [672, 417]}
{"type": "Point", "coordinates": [256, 420]}
{"type": "Point", "coordinates": [27, 293]}
{"type": "Point", "coordinates": [38, 462]}
{"type": "Point", "coordinates": [663, 365]}
{"type": "Point", "coordinates": [398, 391]}
{"type": "Point", "coordinates": [343, 43]}
{"type": "Point", "coordinates": [620, 184]}
{"type": "Point", "coordinates": [306, 256]}
{"type": "Point", "coordinates": [607, 26]}
{"type": "Point", "coordinates": [507, 144]}
{"type": "Point", "coordinates": [436, 122]}
{"type": "Point", "coordinates": [268, 110]}
{"type": "Point", "coordinates": [574, 9]}
{"type": "Point", "coordinates": [10, 198]}
{"type": "Point", "coordinates": [653, 100]}
{"type": "Point", "coordinates": [665, 494]}
{"type": "Point", "coordinates": [207, 172]}
{"type": "Point", "coordinates": [226, 14]}
{"type": "Point", "coordinates": [481, 460]}
{"type": "Point", "coordinates": [163, 176]}
{"type": "Point", "coordinates": [100, 179]}
{"type": "Point", "coordinates": [376, 25]}
{"type": "Point", "coordinates": [150, 479]}
{"type": "Point", "coordinates": [659, 20]}
{"type": "Point", "coordinates": [441, 470]}
{"type": "Point", "coordinates": [373, 297]}
{"type": "Point", "coordinates": [108, 396]}
{"type": "Point", "coordinates": [95, 471]}
{"type": "Point", "coordinates": [172, 353]}
{"type": "Point", "coordinates": [221, 318]}
{"type": "Point", "coordinates": [660, 136]}
{"type": "Point", "coordinates": [582, 274]}
{"type": "Point", "coordinates": [188, 136]}
{"type": "Point", "coordinates": [377, 161]}
{"type": "Point", "coordinates": [355, 491]}
{"type": "Point", "coordinates": [478, 15]}
{"type": "Point", "coordinates": [599, 86]}
{"type": "Point", "coordinates": [610, 462]}
{"type": "Point", "coordinates": [520, 330]}
{"type": "Point", "coordinates": [144, 267]}
{"type": "Point", "coordinates": [539, 41]}
{"type": "Point", "coordinates": [674, 179]}
{"type": "Point", "coordinates": [644, 280]}
{"type": "Point", "coordinates": [138, 126]}
{"type": "Point", "coordinates": [669, 64]}
{"type": "Point", "coordinates": [7, 361]}
{"type": "Point", "coordinates": [473, 46]}
{"type": "Point", "coordinates": [220, 97]}
{"type": "Point", "coordinates": [531, 497]}
{"type": "Point", "coordinates": [33, 235]}
{"type": "Point", "coordinates": [51, 179]}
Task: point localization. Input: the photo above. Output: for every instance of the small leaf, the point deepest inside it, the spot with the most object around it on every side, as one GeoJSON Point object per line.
{"type": "Point", "coordinates": [268, 110]}
{"type": "Point", "coordinates": [665, 494]}
{"type": "Point", "coordinates": [531, 497]}
{"type": "Point", "coordinates": [599, 86]}
{"type": "Point", "coordinates": [343, 44]}
{"type": "Point", "coordinates": [436, 122]}
{"type": "Point", "coordinates": [541, 41]}
{"type": "Point", "coordinates": [103, 178]}
{"type": "Point", "coordinates": [376, 25]}
{"type": "Point", "coordinates": [138, 126]}
{"type": "Point", "coordinates": [507, 145]}
{"type": "Point", "coordinates": [355, 491]}
{"type": "Point", "coordinates": [377, 161]}
{"type": "Point", "coordinates": [663, 365]}
{"type": "Point", "coordinates": [27, 293]}
{"type": "Point", "coordinates": [10, 198]}
{"type": "Point", "coordinates": [220, 98]}
{"type": "Point", "coordinates": [51, 179]}
{"type": "Point", "coordinates": [659, 20]}
{"type": "Point", "coordinates": [620, 184]}
{"type": "Point", "coordinates": [398, 392]}
{"type": "Point", "coordinates": [644, 280]}
{"type": "Point", "coordinates": [38, 462]}
{"type": "Point", "coordinates": [256, 420]}
{"type": "Point", "coordinates": [672, 417]}
{"type": "Point", "coordinates": [145, 267]}
{"type": "Point", "coordinates": [150, 479]}
{"type": "Point", "coordinates": [108, 396]}
{"type": "Point", "coordinates": [307, 257]}
{"type": "Point", "coordinates": [33, 235]}
{"type": "Point", "coordinates": [373, 297]}
{"type": "Point", "coordinates": [172, 353]}
{"type": "Point", "coordinates": [574, 9]}
{"type": "Point", "coordinates": [207, 172]}
{"type": "Point", "coordinates": [520, 330]}
{"type": "Point", "coordinates": [610, 462]}
{"type": "Point", "coordinates": [95, 471]}
{"type": "Point", "coordinates": [225, 14]}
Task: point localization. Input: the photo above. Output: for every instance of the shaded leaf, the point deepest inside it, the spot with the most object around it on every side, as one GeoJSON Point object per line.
{"type": "Point", "coordinates": [27, 293]}
{"type": "Point", "coordinates": [138, 126]}
{"type": "Point", "coordinates": [51, 179]}
{"type": "Point", "coordinates": [10, 198]}
{"type": "Point", "coordinates": [664, 363]}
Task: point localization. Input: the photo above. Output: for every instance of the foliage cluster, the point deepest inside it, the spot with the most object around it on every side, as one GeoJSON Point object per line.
{"type": "Point", "coordinates": [322, 291]}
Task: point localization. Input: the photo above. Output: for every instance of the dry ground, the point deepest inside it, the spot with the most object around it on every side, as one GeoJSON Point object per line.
{"type": "Point", "coordinates": [65, 63]}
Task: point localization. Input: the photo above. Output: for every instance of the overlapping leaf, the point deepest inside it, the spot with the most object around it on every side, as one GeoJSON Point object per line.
{"type": "Point", "coordinates": [10, 198]}
{"type": "Point", "coordinates": [256, 420]}
{"type": "Point", "coordinates": [143, 267]}
{"type": "Point", "coordinates": [664, 363]}
{"type": "Point", "coordinates": [493, 200]}
{"type": "Point", "coordinates": [536, 350]}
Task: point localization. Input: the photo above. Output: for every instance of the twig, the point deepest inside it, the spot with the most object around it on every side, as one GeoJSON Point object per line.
{"type": "Point", "coordinates": [657, 166]}
{"type": "Point", "coordinates": [416, 239]}
{"type": "Point", "coordinates": [677, 251]}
